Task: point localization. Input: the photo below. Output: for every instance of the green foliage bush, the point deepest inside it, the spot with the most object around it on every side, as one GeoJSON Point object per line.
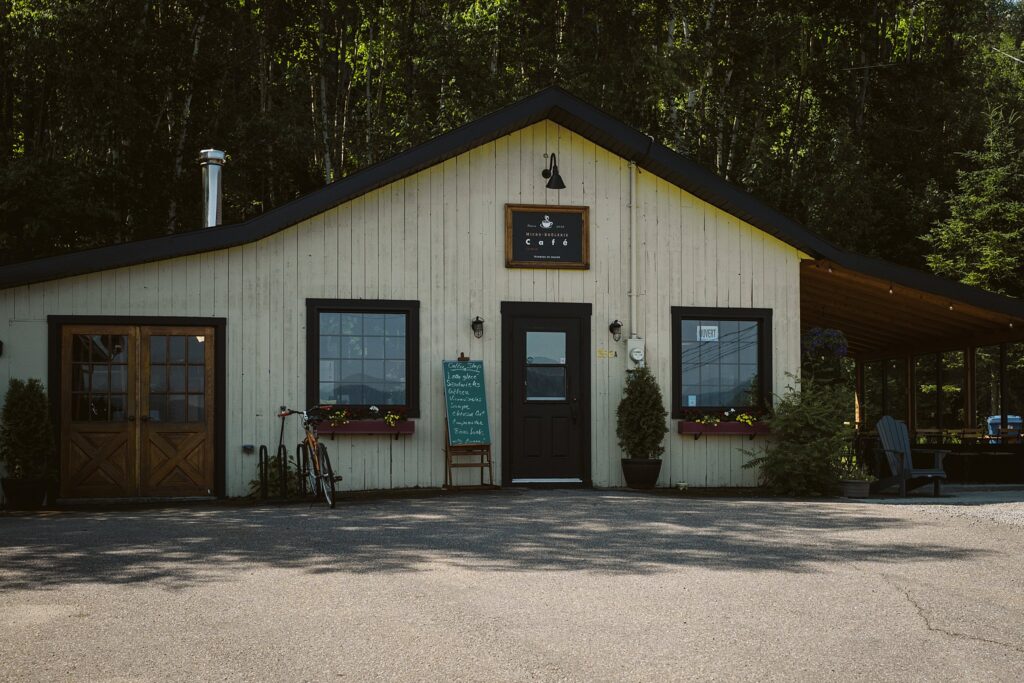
{"type": "Point", "coordinates": [26, 432]}
{"type": "Point", "coordinates": [808, 440]}
{"type": "Point", "coordinates": [640, 417]}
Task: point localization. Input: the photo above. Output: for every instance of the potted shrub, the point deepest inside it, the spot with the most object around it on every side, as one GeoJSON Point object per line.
{"type": "Point", "coordinates": [26, 444]}
{"type": "Point", "coordinates": [641, 429]}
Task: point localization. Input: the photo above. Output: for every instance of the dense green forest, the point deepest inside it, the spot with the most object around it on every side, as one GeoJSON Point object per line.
{"type": "Point", "coordinates": [890, 126]}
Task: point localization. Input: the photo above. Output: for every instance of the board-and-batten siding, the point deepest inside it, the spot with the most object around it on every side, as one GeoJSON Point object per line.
{"type": "Point", "coordinates": [438, 237]}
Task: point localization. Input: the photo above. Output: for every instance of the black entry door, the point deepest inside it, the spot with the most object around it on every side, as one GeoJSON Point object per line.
{"type": "Point", "coordinates": [546, 367]}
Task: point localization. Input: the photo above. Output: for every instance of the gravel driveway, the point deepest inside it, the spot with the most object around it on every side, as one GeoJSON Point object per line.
{"type": "Point", "coordinates": [519, 585]}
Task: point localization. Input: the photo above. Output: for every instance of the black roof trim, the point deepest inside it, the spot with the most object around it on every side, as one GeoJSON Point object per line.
{"type": "Point", "coordinates": [551, 103]}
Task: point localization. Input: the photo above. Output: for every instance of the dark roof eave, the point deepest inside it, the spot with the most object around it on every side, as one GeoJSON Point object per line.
{"type": "Point", "coordinates": [932, 284]}
{"type": "Point", "coordinates": [551, 103]}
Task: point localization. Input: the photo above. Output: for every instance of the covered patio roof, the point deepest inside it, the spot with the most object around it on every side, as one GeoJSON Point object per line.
{"type": "Point", "coordinates": [888, 310]}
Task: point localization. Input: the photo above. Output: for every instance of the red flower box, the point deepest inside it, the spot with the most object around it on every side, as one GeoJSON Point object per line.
{"type": "Point", "coordinates": [723, 429]}
{"type": "Point", "coordinates": [370, 427]}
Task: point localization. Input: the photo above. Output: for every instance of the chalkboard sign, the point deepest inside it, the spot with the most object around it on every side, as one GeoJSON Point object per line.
{"type": "Point", "coordinates": [547, 236]}
{"type": "Point", "coordinates": [466, 402]}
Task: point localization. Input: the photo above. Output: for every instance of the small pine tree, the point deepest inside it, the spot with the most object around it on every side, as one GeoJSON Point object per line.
{"type": "Point", "coordinates": [26, 432]}
{"type": "Point", "coordinates": [808, 440]}
{"type": "Point", "coordinates": [641, 416]}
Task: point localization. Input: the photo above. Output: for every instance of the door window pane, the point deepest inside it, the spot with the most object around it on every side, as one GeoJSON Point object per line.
{"type": "Point", "coordinates": [176, 349]}
{"type": "Point", "coordinates": [80, 374]}
{"type": "Point", "coordinates": [176, 408]}
{"type": "Point", "coordinates": [196, 379]}
{"type": "Point", "coordinates": [158, 349]}
{"type": "Point", "coordinates": [545, 348]}
{"type": "Point", "coordinates": [99, 377]}
{"type": "Point", "coordinates": [197, 350]}
{"type": "Point", "coordinates": [545, 383]}
{"type": "Point", "coordinates": [118, 407]}
{"type": "Point", "coordinates": [157, 407]}
{"type": "Point", "coordinates": [119, 378]}
{"type": "Point", "coordinates": [80, 348]}
{"type": "Point", "coordinates": [196, 407]}
{"type": "Point", "coordinates": [80, 407]}
{"type": "Point", "coordinates": [177, 378]}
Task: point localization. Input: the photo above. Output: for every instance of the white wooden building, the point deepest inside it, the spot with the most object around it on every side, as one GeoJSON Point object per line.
{"type": "Point", "coordinates": [164, 358]}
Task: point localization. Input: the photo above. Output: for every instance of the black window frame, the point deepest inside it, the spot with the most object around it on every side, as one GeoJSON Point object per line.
{"type": "Point", "coordinates": [314, 307]}
{"type": "Point", "coordinates": [762, 316]}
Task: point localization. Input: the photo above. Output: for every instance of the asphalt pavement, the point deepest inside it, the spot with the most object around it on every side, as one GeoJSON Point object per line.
{"type": "Point", "coordinates": [520, 585]}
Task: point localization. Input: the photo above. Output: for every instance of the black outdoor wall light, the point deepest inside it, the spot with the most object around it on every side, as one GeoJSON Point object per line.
{"type": "Point", "coordinates": [551, 172]}
{"type": "Point", "coordinates": [616, 329]}
{"type": "Point", "coordinates": [478, 327]}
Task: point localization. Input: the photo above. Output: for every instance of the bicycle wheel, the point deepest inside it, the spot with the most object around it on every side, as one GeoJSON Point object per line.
{"type": "Point", "coordinates": [312, 471]}
{"type": "Point", "coordinates": [326, 476]}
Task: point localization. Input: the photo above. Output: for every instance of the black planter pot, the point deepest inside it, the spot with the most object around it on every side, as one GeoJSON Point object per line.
{"type": "Point", "coordinates": [24, 494]}
{"type": "Point", "coordinates": [641, 473]}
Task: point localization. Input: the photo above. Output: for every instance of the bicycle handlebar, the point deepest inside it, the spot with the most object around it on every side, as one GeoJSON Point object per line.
{"type": "Point", "coordinates": [308, 413]}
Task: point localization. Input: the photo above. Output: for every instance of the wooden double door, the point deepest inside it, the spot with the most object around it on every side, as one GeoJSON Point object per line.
{"type": "Point", "coordinates": [137, 411]}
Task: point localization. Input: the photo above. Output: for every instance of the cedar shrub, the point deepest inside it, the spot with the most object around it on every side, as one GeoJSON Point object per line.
{"type": "Point", "coordinates": [641, 416]}
{"type": "Point", "coordinates": [26, 432]}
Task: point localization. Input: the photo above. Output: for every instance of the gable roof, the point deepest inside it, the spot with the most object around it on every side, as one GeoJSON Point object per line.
{"type": "Point", "coordinates": [552, 103]}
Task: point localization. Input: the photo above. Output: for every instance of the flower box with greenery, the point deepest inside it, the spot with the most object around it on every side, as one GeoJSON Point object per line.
{"type": "Point", "coordinates": [731, 422]}
{"type": "Point", "coordinates": [854, 479]}
{"type": "Point", "coordinates": [27, 445]}
{"type": "Point", "coordinates": [640, 427]}
{"type": "Point", "coordinates": [367, 420]}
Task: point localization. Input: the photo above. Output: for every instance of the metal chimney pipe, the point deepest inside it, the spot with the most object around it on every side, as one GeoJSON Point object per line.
{"type": "Point", "coordinates": [211, 160]}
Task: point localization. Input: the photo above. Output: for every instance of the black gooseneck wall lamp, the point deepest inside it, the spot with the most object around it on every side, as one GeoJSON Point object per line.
{"type": "Point", "coordinates": [551, 173]}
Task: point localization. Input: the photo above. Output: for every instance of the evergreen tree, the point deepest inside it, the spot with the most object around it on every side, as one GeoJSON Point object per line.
{"type": "Point", "coordinates": [982, 242]}
{"type": "Point", "coordinates": [640, 417]}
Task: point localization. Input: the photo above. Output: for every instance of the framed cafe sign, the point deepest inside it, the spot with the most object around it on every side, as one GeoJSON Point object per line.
{"type": "Point", "coordinates": [547, 236]}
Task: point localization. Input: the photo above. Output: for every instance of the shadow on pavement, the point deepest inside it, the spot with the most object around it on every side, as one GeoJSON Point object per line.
{"type": "Point", "coordinates": [608, 532]}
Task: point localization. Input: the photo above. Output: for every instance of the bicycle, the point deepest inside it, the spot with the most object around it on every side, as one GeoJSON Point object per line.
{"type": "Point", "coordinates": [319, 473]}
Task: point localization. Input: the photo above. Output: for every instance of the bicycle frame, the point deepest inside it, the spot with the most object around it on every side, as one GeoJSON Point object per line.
{"type": "Point", "coordinates": [322, 478]}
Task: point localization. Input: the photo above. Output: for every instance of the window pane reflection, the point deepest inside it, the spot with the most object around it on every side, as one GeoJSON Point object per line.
{"type": "Point", "coordinates": [720, 363]}
{"type": "Point", "coordinates": [362, 358]}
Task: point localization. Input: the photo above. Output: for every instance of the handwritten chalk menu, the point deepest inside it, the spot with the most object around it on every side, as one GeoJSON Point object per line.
{"type": "Point", "coordinates": [547, 236]}
{"type": "Point", "coordinates": [466, 402]}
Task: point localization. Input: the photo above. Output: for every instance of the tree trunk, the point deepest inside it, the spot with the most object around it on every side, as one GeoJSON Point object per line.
{"type": "Point", "coordinates": [186, 114]}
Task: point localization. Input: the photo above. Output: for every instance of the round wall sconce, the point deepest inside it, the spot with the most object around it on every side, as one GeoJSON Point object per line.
{"type": "Point", "coordinates": [616, 329]}
{"type": "Point", "coordinates": [551, 172]}
{"type": "Point", "coordinates": [478, 327]}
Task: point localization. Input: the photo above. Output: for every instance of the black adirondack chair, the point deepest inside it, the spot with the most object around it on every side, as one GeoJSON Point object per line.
{"type": "Point", "coordinates": [896, 445]}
